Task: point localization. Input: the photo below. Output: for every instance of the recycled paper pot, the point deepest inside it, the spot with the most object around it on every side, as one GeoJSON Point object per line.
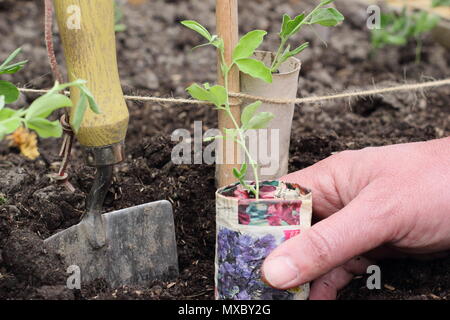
{"type": "Point", "coordinates": [284, 86]}
{"type": "Point", "coordinates": [248, 230]}
{"type": "Point", "coordinates": [441, 33]}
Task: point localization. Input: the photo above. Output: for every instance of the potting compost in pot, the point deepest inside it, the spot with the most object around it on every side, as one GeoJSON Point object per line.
{"type": "Point", "coordinates": [248, 230]}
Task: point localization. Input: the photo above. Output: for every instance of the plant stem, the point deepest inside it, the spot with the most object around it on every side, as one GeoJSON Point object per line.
{"type": "Point", "coordinates": [277, 56]}
{"type": "Point", "coordinates": [418, 50]}
{"type": "Point", "coordinates": [240, 139]}
{"type": "Point", "coordinates": [241, 142]}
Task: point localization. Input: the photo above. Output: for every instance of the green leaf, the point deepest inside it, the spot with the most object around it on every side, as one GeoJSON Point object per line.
{"type": "Point", "coordinates": [10, 69]}
{"type": "Point", "coordinates": [197, 27]}
{"type": "Point", "coordinates": [395, 40]}
{"type": "Point", "coordinates": [425, 22]}
{"type": "Point", "coordinates": [118, 16]}
{"type": "Point", "coordinates": [255, 68]}
{"type": "Point", "coordinates": [249, 111]}
{"type": "Point", "coordinates": [237, 174]}
{"type": "Point", "coordinates": [328, 17]}
{"type": "Point", "coordinates": [326, 2]}
{"type": "Point", "coordinates": [439, 3]}
{"type": "Point", "coordinates": [209, 139]}
{"type": "Point", "coordinates": [284, 24]}
{"type": "Point", "coordinates": [199, 93]}
{"type": "Point", "coordinates": [295, 24]}
{"type": "Point", "coordinates": [120, 27]}
{"type": "Point", "coordinates": [287, 54]}
{"type": "Point", "coordinates": [9, 90]}
{"type": "Point", "coordinates": [11, 57]}
{"type": "Point", "coordinates": [92, 104]}
{"type": "Point", "coordinates": [260, 121]}
{"type": "Point", "coordinates": [81, 85]}
{"type": "Point", "coordinates": [78, 115]}
{"type": "Point", "coordinates": [219, 95]}
{"type": "Point", "coordinates": [45, 128]}
{"type": "Point", "coordinates": [2, 102]}
{"type": "Point", "coordinates": [7, 113]}
{"type": "Point", "coordinates": [248, 44]}
{"type": "Point", "coordinates": [10, 125]}
{"type": "Point", "coordinates": [299, 49]}
{"type": "Point", "coordinates": [216, 94]}
{"type": "Point", "coordinates": [243, 170]}
{"type": "Point", "coordinates": [292, 26]}
{"type": "Point", "coordinates": [44, 106]}
{"type": "Point", "coordinates": [62, 86]}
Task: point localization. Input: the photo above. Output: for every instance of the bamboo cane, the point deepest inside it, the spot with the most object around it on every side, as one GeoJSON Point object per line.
{"type": "Point", "coordinates": [227, 29]}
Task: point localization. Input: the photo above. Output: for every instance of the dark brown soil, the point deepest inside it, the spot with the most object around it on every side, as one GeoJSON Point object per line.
{"type": "Point", "coordinates": [155, 58]}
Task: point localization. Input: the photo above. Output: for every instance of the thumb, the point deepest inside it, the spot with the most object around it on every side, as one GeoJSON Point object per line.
{"type": "Point", "coordinates": [359, 227]}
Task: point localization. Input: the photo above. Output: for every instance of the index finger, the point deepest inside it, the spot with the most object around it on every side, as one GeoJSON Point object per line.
{"type": "Point", "coordinates": [320, 180]}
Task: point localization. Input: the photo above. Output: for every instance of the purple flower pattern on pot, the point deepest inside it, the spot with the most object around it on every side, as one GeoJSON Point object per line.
{"type": "Point", "coordinates": [248, 231]}
{"type": "Point", "coordinates": [240, 257]}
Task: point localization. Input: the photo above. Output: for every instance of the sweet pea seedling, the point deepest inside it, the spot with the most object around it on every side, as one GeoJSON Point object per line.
{"type": "Point", "coordinates": [219, 95]}
{"type": "Point", "coordinates": [35, 116]}
{"type": "Point", "coordinates": [398, 29]}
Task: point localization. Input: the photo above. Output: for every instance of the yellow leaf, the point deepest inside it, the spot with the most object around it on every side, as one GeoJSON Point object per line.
{"type": "Point", "coordinates": [26, 141]}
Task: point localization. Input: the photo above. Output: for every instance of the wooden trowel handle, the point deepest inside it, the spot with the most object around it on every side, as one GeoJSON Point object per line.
{"type": "Point", "coordinates": [88, 38]}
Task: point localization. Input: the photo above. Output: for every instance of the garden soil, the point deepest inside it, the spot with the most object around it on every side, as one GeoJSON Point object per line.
{"type": "Point", "coordinates": [155, 58]}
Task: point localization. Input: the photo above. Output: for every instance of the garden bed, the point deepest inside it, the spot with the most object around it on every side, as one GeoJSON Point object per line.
{"type": "Point", "coordinates": [37, 208]}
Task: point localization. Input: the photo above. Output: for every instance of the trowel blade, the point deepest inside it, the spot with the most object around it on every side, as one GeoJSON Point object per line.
{"type": "Point", "coordinates": [140, 247]}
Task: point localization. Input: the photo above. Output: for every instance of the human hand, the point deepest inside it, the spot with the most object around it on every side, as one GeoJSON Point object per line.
{"type": "Point", "coordinates": [378, 202]}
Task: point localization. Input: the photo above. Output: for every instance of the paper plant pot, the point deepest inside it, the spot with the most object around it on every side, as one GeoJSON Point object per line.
{"type": "Point", "coordinates": [441, 33]}
{"type": "Point", "coordinates": [284, 86]}
{"type": "Point", "coordinates": [248, 230]}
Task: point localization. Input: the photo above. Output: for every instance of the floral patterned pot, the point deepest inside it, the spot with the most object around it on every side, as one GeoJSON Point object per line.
{"type": "Point", "coordinates": [248, 230]}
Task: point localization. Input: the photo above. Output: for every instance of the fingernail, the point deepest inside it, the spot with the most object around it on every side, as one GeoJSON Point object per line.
{"type": "Point", "coordinates": [280, 272]}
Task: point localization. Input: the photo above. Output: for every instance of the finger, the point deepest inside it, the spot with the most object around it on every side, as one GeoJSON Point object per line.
{"type": "Point", "coordinates": [327, 286]}
{"type": "Point", "coordinates": [319, 179]}
{"type": "Point", "coordinates": [361, 226]}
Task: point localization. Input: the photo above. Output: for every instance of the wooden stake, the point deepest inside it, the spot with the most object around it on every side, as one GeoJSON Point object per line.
{"type": "Point", "coordinates": [228, 30]}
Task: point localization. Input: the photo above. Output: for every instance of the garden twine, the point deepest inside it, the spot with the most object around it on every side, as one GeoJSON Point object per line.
{"type": "Point", "coordinates": [313, 99]}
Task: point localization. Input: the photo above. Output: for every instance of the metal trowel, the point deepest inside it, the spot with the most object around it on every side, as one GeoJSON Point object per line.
{"type": "Point", "coordinates": [127, 247]}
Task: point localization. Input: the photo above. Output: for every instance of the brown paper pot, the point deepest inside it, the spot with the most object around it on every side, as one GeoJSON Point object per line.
{"type": "Point", "coordinates": [284, 86]}
{"type": "Point", "coordinates": [441, 34]}
{"type": "Point", "coordinates": [248, 230]}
